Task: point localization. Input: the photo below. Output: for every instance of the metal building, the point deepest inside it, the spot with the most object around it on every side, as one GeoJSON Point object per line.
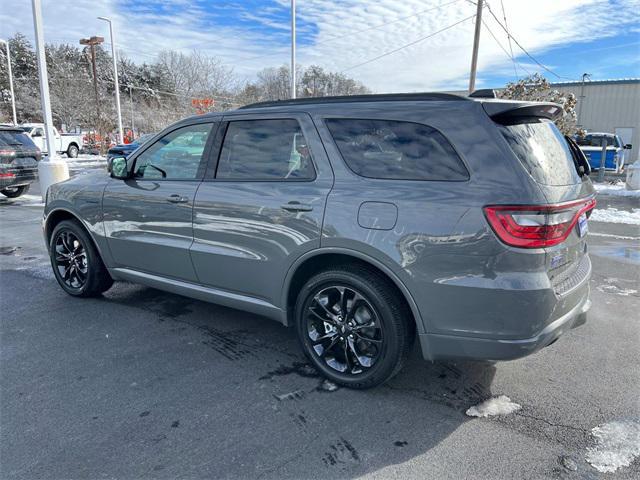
{"type": "Point", "coordinates": [611, 106]}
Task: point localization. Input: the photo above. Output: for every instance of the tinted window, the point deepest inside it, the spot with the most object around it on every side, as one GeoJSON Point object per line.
{"type": "Point", "coordinates": [396, 150]}
{"type": "Point", "coordinates": [542, 150]}
{"type": "Point", "coordinates": [176, 156]}
{"type": "Point", "coordinates": [17, 139]}
{"type": "Point", "coordinates": [265, 150]}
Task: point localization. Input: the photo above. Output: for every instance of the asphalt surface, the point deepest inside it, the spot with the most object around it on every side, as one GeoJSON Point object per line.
{"type": "Point", "coordinates": [145, 384]}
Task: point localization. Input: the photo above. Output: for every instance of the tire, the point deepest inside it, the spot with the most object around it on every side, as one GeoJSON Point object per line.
{"type": "Point", "coordinates": [15, 192]}
{"type": "Point", "coordinates": [72, 151]}
{"type": "Point", "coordinates": [371, 299]}
{"type": "Point", "coordinates": [87, 275]}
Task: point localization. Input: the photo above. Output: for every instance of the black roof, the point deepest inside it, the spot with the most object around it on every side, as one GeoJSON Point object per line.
{"type": "Point", "coordinates": [386, 97]}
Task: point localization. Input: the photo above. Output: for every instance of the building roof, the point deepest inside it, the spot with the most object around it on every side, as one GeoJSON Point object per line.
{"type": "Point", "coordinates": [598, 82]}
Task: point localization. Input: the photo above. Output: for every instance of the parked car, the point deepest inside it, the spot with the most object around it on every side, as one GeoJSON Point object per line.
{"type": "Point", "coordinates": [591, 145]}
{"type": "Point", "coordinates": [363, 222]}
{"type": "Point", "coordinates": [19, 159]}
{"type": "Point", "coordinates": [124, 149]}
{"type": "Point", "coordinates": [68, 143]}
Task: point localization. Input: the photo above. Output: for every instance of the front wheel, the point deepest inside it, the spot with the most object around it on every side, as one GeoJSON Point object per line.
{"type": "Point", "coordinates": [76, 263]}
{"type": "Point", "coordinates": [15, 192]}
{"type": "Point", "coordinates": [353, 326]}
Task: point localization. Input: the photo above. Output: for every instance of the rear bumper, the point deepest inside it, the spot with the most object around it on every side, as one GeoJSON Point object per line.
{"type": "Point", "coordinates": [436, 346]}
{"type": "Point", "coordinates": [14, 177]}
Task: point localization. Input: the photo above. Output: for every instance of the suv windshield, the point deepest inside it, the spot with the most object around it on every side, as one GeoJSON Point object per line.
{"type": "Point", "coordinates": [543, 152]}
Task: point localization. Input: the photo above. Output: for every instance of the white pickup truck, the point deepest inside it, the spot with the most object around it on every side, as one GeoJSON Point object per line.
{"type": "Point", "coordinates": [68, 143]}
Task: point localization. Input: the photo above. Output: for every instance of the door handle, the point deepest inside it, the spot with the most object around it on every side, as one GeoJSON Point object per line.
{"type": "Point", "coordinates": [295, 206]}
{"type": "Point", "coordinates": [175, 198]}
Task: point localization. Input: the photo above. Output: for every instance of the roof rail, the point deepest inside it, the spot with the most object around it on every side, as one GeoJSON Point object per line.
{"type": "Point", "coordinates": [385, 97]}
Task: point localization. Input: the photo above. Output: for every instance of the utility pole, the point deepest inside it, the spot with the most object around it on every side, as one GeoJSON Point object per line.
{"type": "Point", "coordinates": [293, 48]}
{"type": "Point", "coordinates": [115, 78]}
{"type": "Point", "coordinates": [133, 131]}
{"type": "Point", "coordinates": [92, 42]}
{"type": "Point", "coordinates": [584, 77]}
{"type": "Point", "coordinates": [476, 46]}
{"type": "Point", "coordinates": [53, 169]}
{"type": "Point", "coordinates": [13, 97]}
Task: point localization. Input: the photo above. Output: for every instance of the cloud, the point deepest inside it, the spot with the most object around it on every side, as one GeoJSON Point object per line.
{"type": "Point", "coordinates": [338, 35]}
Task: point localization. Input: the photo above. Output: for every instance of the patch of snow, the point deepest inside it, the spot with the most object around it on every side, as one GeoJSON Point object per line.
{"type": "Point", "coordinates": [611, 235]}
{"type": "Point", "coordinates": [617, 189]}
{"type": "Point", "coordinates": [613, 215]}
{"type": "Point", "coordinates": [617, 444]}
{"type": "Point", "coordinates": [327, 386]}
{"type": "Point", "coordinates": [501, 405]}
{"type": "Point", "coordinates": [611, 287]}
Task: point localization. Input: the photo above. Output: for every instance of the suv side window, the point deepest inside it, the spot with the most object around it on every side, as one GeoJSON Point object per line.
{"type": "Point", "coordinates": [273, 149]}
{"type": "Point", "coordinates": [396, 150]}
{"type": "Point", "coordinates": [175, 156]}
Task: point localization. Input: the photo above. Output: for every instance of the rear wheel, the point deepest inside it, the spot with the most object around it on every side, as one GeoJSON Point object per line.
{"type": "Point", "coordinates": [15, 192]}
{"type": "Point", "coordinates": [353, 326]}
{"type": "Point", "coordinates": [72, 151]}
{"type": "Point", "coordinates": [76, 263]}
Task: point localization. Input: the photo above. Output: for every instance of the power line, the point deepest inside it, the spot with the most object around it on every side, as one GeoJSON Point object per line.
{"type": "Point", "coordinates": [504, 16]}
{"type": "Point", "coordinates": [544, 67]}
{"type": "Point", "coordinates": [408, 44]}
{"type": "Point", "coordinates": [510, 56]}
{"type": "Point", "coordinates": [355, 32]}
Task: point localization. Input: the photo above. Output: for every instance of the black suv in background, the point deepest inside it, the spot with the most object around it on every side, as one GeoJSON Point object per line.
{"type": "Point", "coordinates": [19, 159]}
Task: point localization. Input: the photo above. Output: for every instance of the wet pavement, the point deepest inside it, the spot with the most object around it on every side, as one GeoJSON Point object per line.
{"type": "Point", "coordinates": [144, 384]}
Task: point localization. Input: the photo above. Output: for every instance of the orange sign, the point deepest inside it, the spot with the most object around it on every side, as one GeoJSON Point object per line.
{"type": "Point", "coordinates": [202, 105]}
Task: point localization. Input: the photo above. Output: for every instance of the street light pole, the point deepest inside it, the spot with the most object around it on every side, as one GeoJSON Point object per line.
{"type": "Point", "coordinates": [293, 48]}
{"type": "Point", "coordinates": [476, 46]}
{"type": "Point", "coordinates": [53, 169]}
{"type": "Point", "coordinates": [13, 97]}
{"type": "Point", "coordinates": [115, 77]}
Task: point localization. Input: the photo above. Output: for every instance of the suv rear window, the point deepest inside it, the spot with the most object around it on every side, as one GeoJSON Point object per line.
{"type": "Point", "coordinates": [396, 150]}
{"type": "Point", "coordinates": [18, 139]}
{"type": "Point", "coordinates": [543, 152]}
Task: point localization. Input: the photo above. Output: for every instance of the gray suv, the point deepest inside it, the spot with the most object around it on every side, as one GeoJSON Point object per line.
{"type": "Point", "coordinates": [363, 222]}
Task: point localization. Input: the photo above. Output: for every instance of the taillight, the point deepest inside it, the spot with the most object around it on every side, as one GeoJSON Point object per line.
{"type": "Point", "coordinates": [7, 175]}
{"type": "Point", "coordinates": [536, 226]}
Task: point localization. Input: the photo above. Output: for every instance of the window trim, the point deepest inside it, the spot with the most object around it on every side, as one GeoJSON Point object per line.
{"type": "Point", "coordinates": [204, 161]}
{"type": "Point", "coordinates": [223, 134]}
{"type": "Point", "coordinates": [386, 119]}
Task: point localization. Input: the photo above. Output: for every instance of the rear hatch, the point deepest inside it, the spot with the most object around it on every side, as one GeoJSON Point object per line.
{"type": "Point", "coordinates": [561, 174]}
{"type": "Point", "coordinates": [18, 155]}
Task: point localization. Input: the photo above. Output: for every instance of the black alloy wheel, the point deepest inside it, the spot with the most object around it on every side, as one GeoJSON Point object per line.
{"type": "Point", "coordinates": [354, 325]}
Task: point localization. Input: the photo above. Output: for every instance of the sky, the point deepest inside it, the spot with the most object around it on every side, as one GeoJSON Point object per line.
{"type": "Point", "coordinates": [389, 45]}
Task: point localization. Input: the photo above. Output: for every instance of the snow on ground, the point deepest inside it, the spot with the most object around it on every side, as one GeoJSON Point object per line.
{"type": "Point", "coordinates": [84, 160]}
{"type": "Point", "coordinates": [501, 405]}
{"type": "Point", "coordinates": [617, 444]}
{"type": "Point", "coordinates": [618, 189]}
{"type": "Point", "coordinates": [613, 215]}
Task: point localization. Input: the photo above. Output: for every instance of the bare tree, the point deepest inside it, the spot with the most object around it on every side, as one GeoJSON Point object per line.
{"type": "Point", "coordinates": [538, 88]}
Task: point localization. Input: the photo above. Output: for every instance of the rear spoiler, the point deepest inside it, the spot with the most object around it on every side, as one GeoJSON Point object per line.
{"type": "Point", "coordinates": [509, 112]}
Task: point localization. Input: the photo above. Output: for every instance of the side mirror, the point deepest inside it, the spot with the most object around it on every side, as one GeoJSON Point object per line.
{"type": "Point", "coordinates": [36, 134]}
{"type": "Point", "coordinates": [119, 168]}
{"type": "Point", "coordinates": [628, 146]}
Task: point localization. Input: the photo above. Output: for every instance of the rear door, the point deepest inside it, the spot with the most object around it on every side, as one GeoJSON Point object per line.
{"type": "Point", "coordinates": [148, 218]}
{"type": "Point", "coordinates": [262, 203]}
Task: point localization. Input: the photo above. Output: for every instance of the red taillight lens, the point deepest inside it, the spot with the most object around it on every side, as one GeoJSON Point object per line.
{"type": "Point", "coordinates": [536, 226]}
{"type": "Point", "coordinates": [7, 175]}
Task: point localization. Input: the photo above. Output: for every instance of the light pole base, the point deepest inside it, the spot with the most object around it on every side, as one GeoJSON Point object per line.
{"type": "Point", "coordinates": [50, 171]}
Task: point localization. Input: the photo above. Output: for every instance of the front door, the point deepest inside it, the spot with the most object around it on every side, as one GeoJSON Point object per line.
{"type": "Point", "coordinates": [148, 218]}
{"type": "Point", "coordinates": [263, 206]}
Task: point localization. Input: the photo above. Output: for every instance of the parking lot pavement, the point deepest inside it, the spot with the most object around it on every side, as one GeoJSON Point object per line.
{"type": "Point", "coordinates": [145, 384]}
